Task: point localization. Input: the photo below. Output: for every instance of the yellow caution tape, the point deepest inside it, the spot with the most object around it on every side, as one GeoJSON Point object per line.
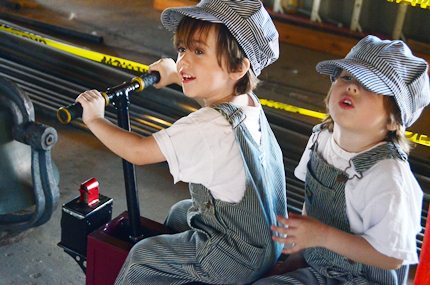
{"type": "Point", "coordinates": [423, 3]}
{"type": "Point", "coordinates": [92, 55]}
{"type": "Point", "coordinates": [414, 137]}
{"type": "Point", "coordinates": [418, 138]}
{"type": "Point", "coordinates": [142, 68]}
{"type": "Point", "coordinates": [292, 109]}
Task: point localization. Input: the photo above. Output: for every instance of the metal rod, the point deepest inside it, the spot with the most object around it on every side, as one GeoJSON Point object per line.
{"type": "Point", "coordinates": [355, 18]}
{"type": "Point", "coordinates": [400, 19]}
{"type": "Point", "coordinates": [315, 17]}
{"type": "Point", "coordinates": [277, 7]}
{"type": "Point", "coordinates": [52, 28]}
{"type": "Point", "coordinates": [122, 103]}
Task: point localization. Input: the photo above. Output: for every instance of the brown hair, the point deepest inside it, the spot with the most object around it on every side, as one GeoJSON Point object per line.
{"type": "Point", "coordinates": [397, 136]}
{"type": "Point", "coordinates": [229, 53]}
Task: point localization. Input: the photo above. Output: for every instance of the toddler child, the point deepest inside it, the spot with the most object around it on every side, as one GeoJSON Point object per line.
{"type": "Point", "coordinates": [362, 202]}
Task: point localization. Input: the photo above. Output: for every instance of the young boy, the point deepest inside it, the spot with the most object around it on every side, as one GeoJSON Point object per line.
{"type": "Point", "coordinates": [225, 150]}
{"type": "Point", "coordinates": [362, 201]}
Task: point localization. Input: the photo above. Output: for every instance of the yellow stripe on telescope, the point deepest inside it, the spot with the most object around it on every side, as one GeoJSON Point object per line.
{"type": "Point", "coordinates": [142, 68]}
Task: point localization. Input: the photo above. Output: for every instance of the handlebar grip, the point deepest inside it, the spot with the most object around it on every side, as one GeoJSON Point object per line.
{"type": "Point", "coordinates": [146, 80]}
{"type": "Point", "coordinates": [68, 113]}
{"type": "Point", "coordinates": [151, 79]}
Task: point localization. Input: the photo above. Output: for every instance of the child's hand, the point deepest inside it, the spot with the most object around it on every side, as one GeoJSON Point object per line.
{"type": "Point", "coordinates": [93, 105]}
{"type": "Point", "coordinates": [302, 232]}
{"type": "Point", "coordinates": [168, 73]}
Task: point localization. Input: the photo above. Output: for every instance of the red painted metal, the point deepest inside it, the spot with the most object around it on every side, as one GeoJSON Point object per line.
{"type": "Point", "coordinates": [108, 247]}
{"type": "Point", "coordinates": [89, 192]}
{"type": "Point", "coordinates": [422, 276]}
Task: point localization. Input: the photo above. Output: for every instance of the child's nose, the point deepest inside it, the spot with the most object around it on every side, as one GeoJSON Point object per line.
{"type": "Point", "coordinates": [183, 60]}
{"type": "Point", "coordinates": [352, 88]}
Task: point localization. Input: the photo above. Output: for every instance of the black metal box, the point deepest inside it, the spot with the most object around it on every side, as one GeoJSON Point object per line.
{"type": "Point", "coordinates": [78, 220]}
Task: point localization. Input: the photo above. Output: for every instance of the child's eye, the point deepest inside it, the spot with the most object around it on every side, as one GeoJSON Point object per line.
{"type": "Point", "coordinates": [180, 49]}
{"type": "Point", "coordinates": [347, 77]}
{"type": "Point", "coordinates": [198, 52]}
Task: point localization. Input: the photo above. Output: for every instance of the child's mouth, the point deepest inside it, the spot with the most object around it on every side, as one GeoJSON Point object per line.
{"type": "Point", "coordinates": [187, 78]}
{"type": "Point", "coordinates": [346, 103]}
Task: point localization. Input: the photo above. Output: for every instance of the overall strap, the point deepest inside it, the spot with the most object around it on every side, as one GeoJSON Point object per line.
{"type": "Point", "coordinates": [366, 160]}
{"type": "Point", "coordinates": [317, 131]}
{"type": "Point", "coordinates": [233, 114]}
{"type": "Point", "coordinates": [263, 163]}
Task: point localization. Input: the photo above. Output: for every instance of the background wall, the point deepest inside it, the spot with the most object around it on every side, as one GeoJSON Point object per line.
{"type": "Point", "coordinates": [377, 16]}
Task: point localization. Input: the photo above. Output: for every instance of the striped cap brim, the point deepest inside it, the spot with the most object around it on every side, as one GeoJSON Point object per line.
{"type": "Point", "coordinates": [368, 76]}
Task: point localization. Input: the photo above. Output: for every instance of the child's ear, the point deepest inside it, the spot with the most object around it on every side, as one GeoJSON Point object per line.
{"type": "Point", "coordinates": [391, 125]}
{"type": "Point", "coordinates": [246, 65]}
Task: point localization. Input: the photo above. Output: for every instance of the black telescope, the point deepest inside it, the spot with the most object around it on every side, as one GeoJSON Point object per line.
{"type": "Point", "coordinates": [68, 113]}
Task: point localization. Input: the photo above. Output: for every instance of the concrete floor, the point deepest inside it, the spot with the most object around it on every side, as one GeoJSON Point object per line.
{"type": "Point", "coordinates": [35, 258]}
{"type": "Point", "coordinates": [131, 29]}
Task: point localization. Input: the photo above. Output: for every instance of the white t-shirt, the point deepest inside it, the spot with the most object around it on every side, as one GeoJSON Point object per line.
{"type": "Point", "coordinates": [384, 206]}
{"type": "Point", "coordinates": [201, 148]}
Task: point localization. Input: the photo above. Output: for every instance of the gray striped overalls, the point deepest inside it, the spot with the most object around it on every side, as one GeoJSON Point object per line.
{"type": "Point", "coordinates": [219, 242]}
{"type": "Point", "coordinates": [325, 201]}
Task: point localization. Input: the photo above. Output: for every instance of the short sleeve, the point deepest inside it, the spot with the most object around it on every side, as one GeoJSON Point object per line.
{"type": "Point", "coordinates": [322, 137]}
{"type": "Point", "coordinates": [186, 150]}
{"type": "Point", "coordinates": [388, 200]}
{"type": "Point", "coordinates": [201, 148]}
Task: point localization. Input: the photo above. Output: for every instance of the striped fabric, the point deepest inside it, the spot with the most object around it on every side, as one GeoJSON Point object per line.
{"type": "Point", "coordinates": [247, 20]}
{"type": "Point", "coordinates": [263, 163]}
{"type": "Point", "coordinates": [325, 201]}
{"type": "Point", "coordinates": [387, 68]}
{"type": "Point", "coordinates": [323, 176]}
{"type": "Point", "coordinates": [388, 151]}
{"type": "Point", "coordinates": [219, 242]}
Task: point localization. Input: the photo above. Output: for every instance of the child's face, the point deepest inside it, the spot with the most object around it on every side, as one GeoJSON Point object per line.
{"type": "Point", "coordinates": [356, 109]}
{"type": "Point", "coordinates": [201, 75]}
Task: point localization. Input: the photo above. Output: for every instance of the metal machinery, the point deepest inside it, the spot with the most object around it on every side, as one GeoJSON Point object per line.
{"type": "Point", "coordinates": [108, 242]}
{"type": "Point", "coordinates": [28, 177]}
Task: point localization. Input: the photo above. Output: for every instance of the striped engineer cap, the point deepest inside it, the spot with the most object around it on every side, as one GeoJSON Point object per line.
{"type": "Point", "coordinates": [387, 68]}
{"type": "Point", "coordinates": [247, 20]}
